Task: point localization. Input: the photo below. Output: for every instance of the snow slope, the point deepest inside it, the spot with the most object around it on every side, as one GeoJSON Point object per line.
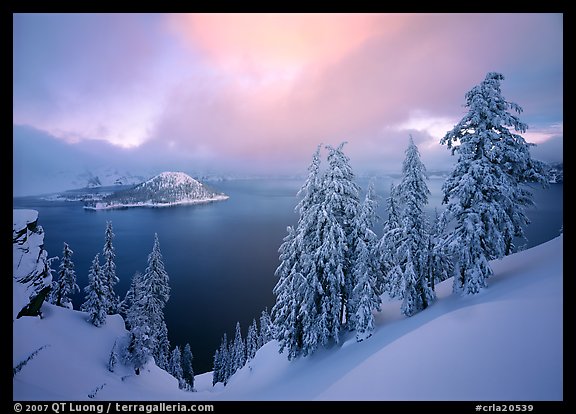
{"type": "Point", "coordinates": [504, 344]}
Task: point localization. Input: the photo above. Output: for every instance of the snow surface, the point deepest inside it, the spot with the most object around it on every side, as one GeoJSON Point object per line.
{"type": "Point", "coordinates": [505, 343]}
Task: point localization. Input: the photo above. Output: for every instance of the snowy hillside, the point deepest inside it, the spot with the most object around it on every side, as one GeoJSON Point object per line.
{"type": "Point", "coordinates": [502, 344]}
{"type": "Point", "coordinates": [165, 189]}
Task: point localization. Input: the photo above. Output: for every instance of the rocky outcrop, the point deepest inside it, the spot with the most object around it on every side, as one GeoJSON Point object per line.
{"type": "Point", "coordinates": [30, 263]}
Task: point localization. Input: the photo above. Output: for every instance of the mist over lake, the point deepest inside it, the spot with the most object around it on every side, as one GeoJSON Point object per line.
{"type": "Point", "coordinates": [220, 256]}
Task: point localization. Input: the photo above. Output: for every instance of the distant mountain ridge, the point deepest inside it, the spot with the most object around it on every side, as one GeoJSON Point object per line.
{"type": "Point", "coordinates": [164, 189]}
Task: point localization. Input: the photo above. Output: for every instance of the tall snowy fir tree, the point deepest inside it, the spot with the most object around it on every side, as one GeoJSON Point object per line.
{"type": "Point", "coordinates": [187, 368]}
{"type": "Point", "coordinates": [485, 193]}
{"type": "Point", "coordinates": [109, 269]}
{"type": "Point", "coordinates": [413, 247]}
{"type": "Point", "coordinates": [96, 300]}
{"type": "Point", "coordinates": [295, 257]}
{"type": "Point", "coordinates": [337, 239]}
{"type": "Point", "coordinates": [66, 284]}
{"type": "Point", "coordinates": [156, 292]}
{"type": "Point", "coordinates": [365, 296]}
{"type": "Point", "coordinates": [389, 276]}
{"type": "Point", "coordinates": [141, 343]}
{"type": "Point", "coordinates": [315, 274]}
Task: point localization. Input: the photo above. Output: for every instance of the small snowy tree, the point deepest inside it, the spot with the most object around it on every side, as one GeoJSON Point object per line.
{"type": "Point", "coordinates": [113, 358]}
{"type": "Point", "coordinates": [217, 368]}
{"type": "Point", "coordinates": [96, 302]}
{"type": "Point", "coordinates": [109, 269]}
{"type": "Point", "coordinates": [389, 276]}
{"type": "Point", "coordinates": [66, 283]}
{"type": "Point", "coordinates": [187, 369]}
{"type": "Point", "coordinates": [486, 194]}
{"type": "Point", "coordinates": [266, 332]}
{"type": "Point", "coordinates": [252, 340]}
{"type": "Point", "coordinates": [175, 367]}
{"type": "Point", "coordinates": [238, 350]}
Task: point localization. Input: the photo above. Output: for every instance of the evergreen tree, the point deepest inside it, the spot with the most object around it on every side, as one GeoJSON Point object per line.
{"type": "Point", "coordinates": [252, 340]}
{"type": "Point", "coordinates": [141, 343]}
{"type": "Point", "coordinates": [337, 235]}
{"type": "Point", "coordinates": [187, 369]}
{"type": "Point", "coordinates": [217, 368]}
{"type": "Point", "coordinates": [109, 269]}
{"type": "Point", "coordinates": [224, 366]}
{"type": "Point", "coordinates": [238, 350]}
{"type": "Point", "coordinates": [96, 302]}
{"type": "Point", "coordinates": [156, 292]}
{"type": "Point", "coordinates": [150, 292]}
{"type": "Point", "coordinates": [365, 296]}
{"type": "Point", "coordinates": [411, 303]}
{"type": "Point", "coordinates": [113, 358]}
{"type": "Point", "coordinates": [485, 193]}
{"type": "Point", "coordinates": [175, 367]}
{"type": "Point", "coordinates": [266, 332]}
{"type": "Point", "coordinates": [389, 276]}
{"type": "Point", "coordinates": [161, 353]}
{"type": "Point", "coordinates": [128, 300]}
{"type": "Point", "coordinates": [413, 248]}
{"type": "Point", "coordinates": [66, 283]}
{"type": "Point", "coordinates": [439, 265]}
{"type": "Point", "coordinates": [296, 260]}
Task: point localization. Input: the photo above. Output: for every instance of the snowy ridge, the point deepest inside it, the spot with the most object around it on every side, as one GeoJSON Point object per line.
{"type": "Point", "coordinates": [164, 190]}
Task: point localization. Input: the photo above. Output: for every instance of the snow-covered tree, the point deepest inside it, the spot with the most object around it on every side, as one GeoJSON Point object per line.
{"type": "Point", "coordinates": [252, 340]}
{"type": "Point", "coordinates": [128, 300]}
{"type": "Point", "coordinates": [145, 316]}
{"type": "Point", "coordinates": [238, 350]}
{"type": "Point", "coordinates": [187, 368]}
{"type": "Point", "coordinates": [109, 269]}
{"type": "Point", "coordinates": [439, 265]}
{"type": "Point", "coordinates": [485, 193]}
{"type": "Point", "coordinates": [175, 367]}
{"type": "Point", "coordinates": [96, 300]}
{"type": "Point", "coordinates": [141, 343]}
{"type": "Point", "coordinates": [217, 368]}
{"type": "Point", "coordinates": [161, 353]}
{"type": "Point", "coordinates": [389, 276]}
{"type": "Point", "coordinates": [365, 296]}
{"type": "Point", "coordinates": [413, 247]}
{"type": "Point", "coordinates": [296, 259]}
{"type": "Point", "coordinates": [340, 208]}
{"type": "Point", "coordinates": [66, 283]}
{"type": "Point", "coordinates": [113, 358]}
{"type": "Point", "coordinates": [156, 292]}
{"type": "Point", "coordinates": [266, 332]}
{"type": "Point", "coordinates": [222, 362]}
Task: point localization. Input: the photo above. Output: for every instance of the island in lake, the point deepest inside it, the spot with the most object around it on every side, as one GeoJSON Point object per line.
{"type": "Point", "coordinates": [164, 190]}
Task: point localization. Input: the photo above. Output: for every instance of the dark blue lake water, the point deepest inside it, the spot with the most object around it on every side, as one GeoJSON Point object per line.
{"type": "Point", "coordinates": [220, 257]}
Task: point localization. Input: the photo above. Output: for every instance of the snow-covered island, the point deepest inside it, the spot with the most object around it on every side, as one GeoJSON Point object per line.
{"type": "Point", "coordinates": [164, 190]}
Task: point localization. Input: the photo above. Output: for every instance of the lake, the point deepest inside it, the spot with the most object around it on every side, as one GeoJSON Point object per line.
{"type": "Point", "coordinates": [221, 256]}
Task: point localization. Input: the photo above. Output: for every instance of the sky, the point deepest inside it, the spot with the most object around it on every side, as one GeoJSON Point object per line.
{"type": "Point", "coordinates": [257, 93]}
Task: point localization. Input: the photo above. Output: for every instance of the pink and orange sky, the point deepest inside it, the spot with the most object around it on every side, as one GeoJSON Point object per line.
{"type": "Point", "coordinates": [257, 93]}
